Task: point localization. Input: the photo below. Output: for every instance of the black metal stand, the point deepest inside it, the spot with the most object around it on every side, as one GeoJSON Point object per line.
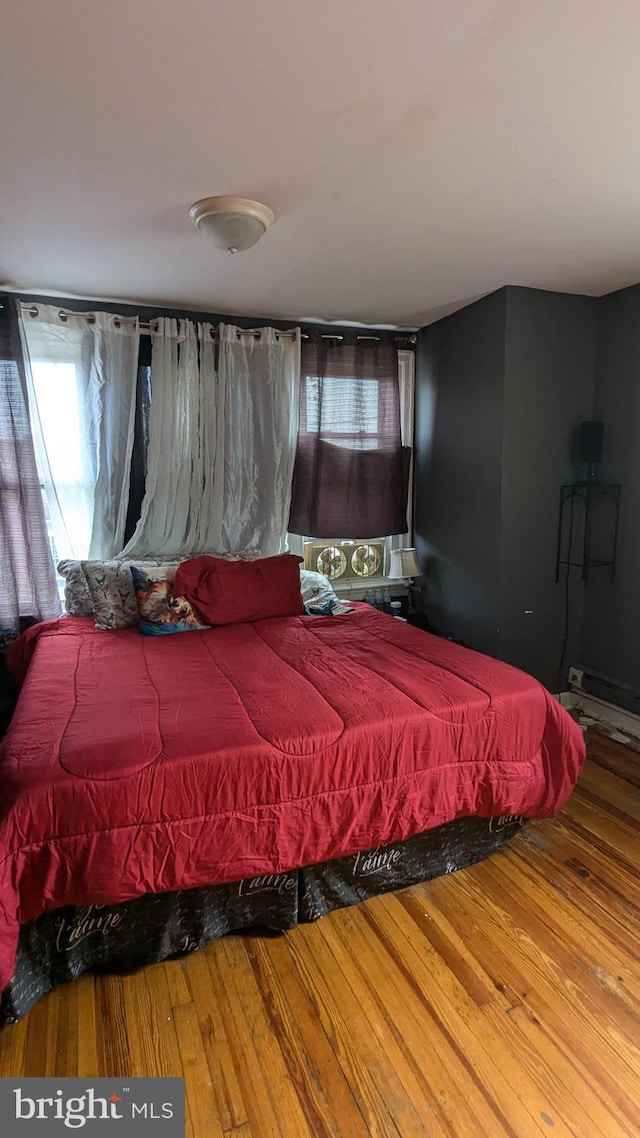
{"type": "Point", "coordinates": [587, 492]}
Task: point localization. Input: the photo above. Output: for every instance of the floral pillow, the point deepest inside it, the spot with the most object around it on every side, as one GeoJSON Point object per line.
{"type": "Point", "coordinates": [77, 598]}
{"type": "Point", "coordinates": [159, 611]}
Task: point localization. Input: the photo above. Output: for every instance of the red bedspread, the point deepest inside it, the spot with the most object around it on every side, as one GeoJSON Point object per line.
{"type": "Point", "coordinates": [139, 764]}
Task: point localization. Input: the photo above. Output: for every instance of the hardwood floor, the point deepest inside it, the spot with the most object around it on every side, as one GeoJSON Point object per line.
{"type": "Point", "coordinates": [502, 1000]}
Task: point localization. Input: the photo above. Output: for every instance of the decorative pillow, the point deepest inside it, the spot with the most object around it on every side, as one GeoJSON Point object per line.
{"type": "Point", "coordinates": [77, 598]}
{"type": "Point", "coordinates": [318, 595]}
{"type": "Point", "coordinates": [227, 592]}
{"type": "Point", "coordinates": [315, 588]}
{"type": "Point", "coordinates": [159, 611]}
{"type": "Point", "coordinates": [111, 586]}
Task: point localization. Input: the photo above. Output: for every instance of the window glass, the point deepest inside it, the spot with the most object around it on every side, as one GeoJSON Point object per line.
{"type": "Point", "coordinates": [68, 465]}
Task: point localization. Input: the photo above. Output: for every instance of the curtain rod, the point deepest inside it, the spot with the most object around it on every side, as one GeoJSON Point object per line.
{"type": "Point", "coordinates": [144, 328]}
{"type": "Point", "coordinates": [151, 326]}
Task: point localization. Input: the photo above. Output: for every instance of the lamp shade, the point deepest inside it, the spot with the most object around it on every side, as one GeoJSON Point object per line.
{"type": "Point", "coordinates": [404, 563]}
{"type": "Point", "coordinates": [234, 224]}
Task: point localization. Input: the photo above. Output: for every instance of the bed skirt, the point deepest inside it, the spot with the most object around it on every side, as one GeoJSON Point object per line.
{"type": "Point", "coordinates": [63, 943]}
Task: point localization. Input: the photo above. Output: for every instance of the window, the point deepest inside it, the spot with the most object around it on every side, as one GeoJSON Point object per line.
{"type": "Point", "coordinates": [64, 458]}
{"type": "Point", "coordinates": [28, 583]}
{"type": "Point", "coordinates": [345, 403]}
{"type": "Point", "coordinates": [81, 372]}
{"type": "Point", "coordinates": [350, 563]}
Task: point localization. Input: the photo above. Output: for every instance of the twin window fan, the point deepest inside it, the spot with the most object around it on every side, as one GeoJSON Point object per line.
{"type": "Point", "coordinates": [339, 560]}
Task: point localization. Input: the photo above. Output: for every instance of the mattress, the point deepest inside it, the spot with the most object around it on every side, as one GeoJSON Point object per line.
{"type": "Point", "coordinates": [139, 765]}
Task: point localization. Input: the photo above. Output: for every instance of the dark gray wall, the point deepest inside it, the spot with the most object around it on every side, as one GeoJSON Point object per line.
{"type": "Point", "coordinates": [549, 381]}
{"type": "Point", "coordinates": [611, 628]}
{"type": "Point", "coordinates": [459, 397]}
{"type": "Point", "coordinates": [501, 387]}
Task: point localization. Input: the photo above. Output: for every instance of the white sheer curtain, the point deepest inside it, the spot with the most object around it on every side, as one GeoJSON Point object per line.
{"type": "Point", "coordinates": [221, 440]}
{"type": "Point", "coordinates": [176, 515]}
{"type": "Point", "coordinates": [259, 394]}
{"type": "Point", "coordinates": [81, 372]}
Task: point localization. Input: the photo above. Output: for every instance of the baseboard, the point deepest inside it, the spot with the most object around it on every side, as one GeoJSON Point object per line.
{"type": "Point", "coordinates": [617, 720]}
{"type": "Point", "coordinates": [567, 699]}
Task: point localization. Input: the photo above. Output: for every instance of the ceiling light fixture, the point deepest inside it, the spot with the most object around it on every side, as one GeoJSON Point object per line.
{"type": "Point", "coordinates": [234, 224]}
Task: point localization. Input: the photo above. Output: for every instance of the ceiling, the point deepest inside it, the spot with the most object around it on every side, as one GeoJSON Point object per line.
{"type": "Point", "coordinates": [416, 153]}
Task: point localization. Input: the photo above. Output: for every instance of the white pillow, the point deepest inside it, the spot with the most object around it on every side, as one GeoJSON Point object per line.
{"type": "Point", "coordinates": [316, 589]}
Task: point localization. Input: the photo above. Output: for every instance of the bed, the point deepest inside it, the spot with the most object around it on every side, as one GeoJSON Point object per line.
{"type": "Point", "coordinates": [250, 775]}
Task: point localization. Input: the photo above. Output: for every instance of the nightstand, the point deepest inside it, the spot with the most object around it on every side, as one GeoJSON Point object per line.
{"type": "Point", "coordinates": [418, 620]}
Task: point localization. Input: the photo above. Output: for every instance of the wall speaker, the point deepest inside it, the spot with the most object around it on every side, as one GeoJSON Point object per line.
{"type": "Point", "coordinates": [591, 436]}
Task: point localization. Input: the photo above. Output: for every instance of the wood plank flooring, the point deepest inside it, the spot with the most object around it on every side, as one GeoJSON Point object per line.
{"type": "Point", "coordinates": [501, 1000]}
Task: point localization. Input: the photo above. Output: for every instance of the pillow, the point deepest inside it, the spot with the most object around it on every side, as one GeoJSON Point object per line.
{"type": "Point", "coordinates": [227, 592]}
{"type": "Point", "coordinates": [316, 588]}
{"type": "Point", "coordinates": [77, 598]}
{"type": "Point", "coordinates": [111, 586]}
{"type": "Point", "coordinates": [318, 595]}
{"type": "Point", "coordinates": [159, 611]}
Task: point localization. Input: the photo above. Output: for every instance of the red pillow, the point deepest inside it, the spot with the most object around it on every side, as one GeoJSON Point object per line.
{"type": "Point", "coordinates": [231, 592]}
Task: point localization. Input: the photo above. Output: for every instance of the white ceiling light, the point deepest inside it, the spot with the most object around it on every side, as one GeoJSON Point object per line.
{"type": "Point", "coordinates": [234, 224]}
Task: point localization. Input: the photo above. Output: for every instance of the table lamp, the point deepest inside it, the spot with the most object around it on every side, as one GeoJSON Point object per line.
{"type": "Point", "coordinates": [404, 564]}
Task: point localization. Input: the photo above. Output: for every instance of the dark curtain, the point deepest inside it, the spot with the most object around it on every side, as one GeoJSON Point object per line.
{"type": "Point", "coordinates": [138, 477]}
{"type": "Point", "coordinates": [351, 472]}
{"type": "Point", "coordinates": [29, 588]}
